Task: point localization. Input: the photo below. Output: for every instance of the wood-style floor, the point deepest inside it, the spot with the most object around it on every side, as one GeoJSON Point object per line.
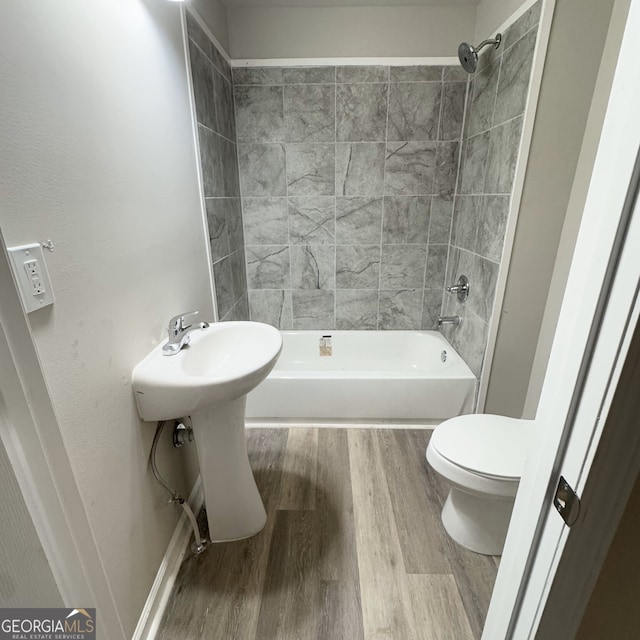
{"type": "Point", "coordinates": [353, 549]}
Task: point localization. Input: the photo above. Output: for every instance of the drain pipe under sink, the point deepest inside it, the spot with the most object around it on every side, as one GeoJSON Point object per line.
{"type": "Point", "coordinates": [199, 544]}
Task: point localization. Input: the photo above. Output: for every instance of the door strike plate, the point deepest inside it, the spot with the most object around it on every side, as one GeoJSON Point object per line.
{"type": "Point", "coordinates": [566, 502]}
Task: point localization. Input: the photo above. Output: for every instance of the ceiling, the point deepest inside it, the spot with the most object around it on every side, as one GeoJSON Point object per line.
{"type": "Point", "coordinates": [349, 3]}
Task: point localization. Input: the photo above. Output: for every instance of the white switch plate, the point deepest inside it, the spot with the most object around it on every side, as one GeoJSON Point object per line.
{"type": "Point", "coordinates": [32, 278]}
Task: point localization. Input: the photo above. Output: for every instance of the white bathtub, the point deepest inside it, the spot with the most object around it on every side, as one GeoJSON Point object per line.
{"type": "Point", "coordinates": [404, 375]}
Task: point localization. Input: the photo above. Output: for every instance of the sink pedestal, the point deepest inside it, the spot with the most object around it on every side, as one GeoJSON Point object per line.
{"type": "Point", "coordinates": [234, 506]}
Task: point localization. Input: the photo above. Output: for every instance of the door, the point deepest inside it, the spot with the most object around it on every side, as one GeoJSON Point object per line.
{"type": "Point", "coordinates": [591, 344]}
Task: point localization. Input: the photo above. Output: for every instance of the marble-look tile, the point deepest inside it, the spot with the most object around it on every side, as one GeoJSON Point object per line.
{"type": "Point", "coordinates": [233, 211]}
{"type": "Point", "coordinates": [431, 308]}
{"type": "Point", "coordinates": [436, 266]}
{"type": "Point", "coordinates": [446, 173]}
{"type": "Point", "coordinates": [197, 34]}
{"type": "Point", "coordinates": [503, 157]}
{"type": "Point", "coordinates": [414, 110]}
{"type": "Point", "coordinates": [357, 266]}
{"type": "Point", "coordinates": [522, 25]}
{"type": "Point", "coordinates": [492, 226]}
{"type": "Point", "coordinates": [217, 226]}
{"type": "Point", "coordinates": [410, 168]}
{"type": "Point", "coordinates": [228, 160]}
{"type": "Point", "coordinates": [312, 220]}
{"type": "Point", "coordinates": [258, 75]}
{"type": "Point", "coordinates": [239, 311]}
{"type": "Point", "coordinates": [220, 62]}
{"type": "Point", "coordinates": [310, 169]}
{"type": "Point", "coordinates": [361, 112]}
{"type": "Point", "coordinates": [238, 273]}
{"type": "Point", "coordinates": [356, 309]}
{"type": "Point", "coordinates": [400, 309]}
{"type": "Point", "coordinates": [466, 215]}
{"type": "Point", "coordinates": [358, 220]}
{"type": "Point", "coordinates": [441, 216]}
{"type": "Point", "coordinates": [488, 56]}
{"type": "Point", "coordinates": [474, 164]}
{"type": "Point", "coordinates": [268, 267]}
{"type": "Point", "coordinates": [513, 86]}
{"type": "Point", "coordinates": [203, 92]}
{"type": "Point", "coordinates": [313, 310]}
{"type": "Point", "coordinates": [482, 97]}
{"type": "Point", "coordinates": [367, 73]}
{"type": "Point", "coordinates": [223, 282]}
{"type": "Point", "coordinates": [453, 95]}
{"type": "Point", "coordinates": [210, 152]}
{"type": "Point", "coordinates": [360, 168]}
{"type": "Point", "coordinates": [484, 275]}
{"type": "Point", "coordinates": [225, 117]}
{"type": "Point", "coordinates": [271, 307]}
{"type": "Point", "coordinates": [266, 220]}
{"type": "Point", "coordinates": [416, 73]}
{"type": "Point", "coordinates": [259, 114]}
{"type": "Point", "coordinates": [406, 219]}
{"type": "Point", "coordinates": [470, 340]}
{"type": "Point", "coordinates": [402, 266]}
{"type": "Point", "coordinates": [454, 73]}
{"type": "Point", "coordinates": [309, 112]}
{"type": "Point", "coordinates": [262, 169]}
{"type": "Point", "coordinates": [313, 267]}
{"type": "Point", "coordinates": [309, 75]}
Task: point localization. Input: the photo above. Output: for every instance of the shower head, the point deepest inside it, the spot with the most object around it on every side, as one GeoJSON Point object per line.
{"type": "Point", "coordinates": [468, 54]}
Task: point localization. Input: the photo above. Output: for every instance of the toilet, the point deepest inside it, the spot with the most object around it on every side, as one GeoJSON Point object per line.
{"type": "Point", "coordinates": [481, 457]}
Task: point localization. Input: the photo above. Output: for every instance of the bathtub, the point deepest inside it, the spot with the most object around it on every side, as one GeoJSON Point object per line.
{"type": "Point", "coordinates": [377, 375]}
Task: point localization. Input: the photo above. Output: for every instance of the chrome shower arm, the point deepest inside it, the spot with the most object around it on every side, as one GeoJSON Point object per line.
{"type": "Point", "coordinates": [494, 41]}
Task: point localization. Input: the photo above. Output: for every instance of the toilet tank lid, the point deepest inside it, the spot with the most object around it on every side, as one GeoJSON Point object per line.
{"type": "Point", "coordinates": [485, 444]}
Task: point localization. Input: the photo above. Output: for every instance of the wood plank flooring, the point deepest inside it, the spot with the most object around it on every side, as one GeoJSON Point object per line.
{"type": "Point", "coordinates": [353, 549]}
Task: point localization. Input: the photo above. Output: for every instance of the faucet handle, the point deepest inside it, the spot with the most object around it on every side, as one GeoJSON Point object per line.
{"type": "Point", "coordinates": [177, 323]}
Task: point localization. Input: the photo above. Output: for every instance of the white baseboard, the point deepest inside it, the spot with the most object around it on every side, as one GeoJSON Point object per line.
{"type": "Point", "coordinates": [156, 603]}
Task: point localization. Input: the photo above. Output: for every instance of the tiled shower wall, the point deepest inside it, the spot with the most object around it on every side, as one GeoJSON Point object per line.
{"type": "Point", "coordinates": [347, 177]}
{"type": "Point", "coordinates": [493, 129]}
{"type": "Point", "coordinates": [213, 93]}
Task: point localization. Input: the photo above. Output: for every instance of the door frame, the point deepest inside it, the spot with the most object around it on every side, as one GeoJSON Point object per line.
{"type": "Point", "coordinates": [30, 432]}
{"type": "Point", "coordinates": [598, 317]}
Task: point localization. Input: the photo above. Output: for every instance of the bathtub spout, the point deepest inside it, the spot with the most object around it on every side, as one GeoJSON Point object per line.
{"type": "Point", "coordinates": [454, 320]}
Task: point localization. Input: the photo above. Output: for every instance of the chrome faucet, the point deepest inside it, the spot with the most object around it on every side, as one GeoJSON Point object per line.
{"type": "Point", "coordinates": [454, 320]}
{"type": "Point", "coordinates": [179, 332]}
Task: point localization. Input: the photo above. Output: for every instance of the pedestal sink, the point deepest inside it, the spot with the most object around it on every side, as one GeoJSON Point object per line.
{"type": "Point", "coordinates": [208, 380]}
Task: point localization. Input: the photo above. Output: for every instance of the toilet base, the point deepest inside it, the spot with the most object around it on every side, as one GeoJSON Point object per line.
{"type": "Point", "coordinates": [478, 523]}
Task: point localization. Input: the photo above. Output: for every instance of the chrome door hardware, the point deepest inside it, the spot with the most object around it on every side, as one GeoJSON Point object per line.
{"type": "Point", "coordinates": [461, 288]}
{"type": "Point", "coordinates": [566, 502]}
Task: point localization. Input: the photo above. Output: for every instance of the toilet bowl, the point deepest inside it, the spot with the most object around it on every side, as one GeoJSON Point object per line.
{"type": "Point", "coordinates": [481, 457]}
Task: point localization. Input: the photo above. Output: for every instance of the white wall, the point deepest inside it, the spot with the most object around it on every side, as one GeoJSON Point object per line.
{"type": "Point", "coordinates": [285, 32]}
{"type": "Point", "coordinates": [576, 203]}
{"type": "Point", "coordinates": [215, 16]}
{"type": "Point", "coordinates": [565, 97]}
{"type": "Point", "coordinates": [490, 14]}
{"type": "Point", "coordinates": [98, 154]}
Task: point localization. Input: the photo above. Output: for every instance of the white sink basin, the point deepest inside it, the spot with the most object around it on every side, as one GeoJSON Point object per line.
{"type": "Point", "coordinates": [223, 362]}
{"type": "Point", "coordinates": [208, 381]}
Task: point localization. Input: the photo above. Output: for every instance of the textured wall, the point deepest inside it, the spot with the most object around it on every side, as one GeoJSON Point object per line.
{"type": "Point", "coordinates": [493, 125]}
{"type": "Point", "coordinates": [347, 176]}
{"type": "Point", "coordinates": [25, 576]}
{"type": "Point", "coordinates": [213, 93]}
{"type": "Point", "coordinates": [98, 155]}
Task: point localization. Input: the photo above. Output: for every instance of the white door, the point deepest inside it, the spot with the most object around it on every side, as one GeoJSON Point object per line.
{"type": "Point", "coordinates": [598, 316]}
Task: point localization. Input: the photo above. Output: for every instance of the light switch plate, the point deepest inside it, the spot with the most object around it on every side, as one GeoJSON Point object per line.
{"type": "Point", "coordinates": [31, 275]}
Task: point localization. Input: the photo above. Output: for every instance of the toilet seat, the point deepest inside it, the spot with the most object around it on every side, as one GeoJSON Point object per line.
{"type": "Point", "coordinates": [490, 446]}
